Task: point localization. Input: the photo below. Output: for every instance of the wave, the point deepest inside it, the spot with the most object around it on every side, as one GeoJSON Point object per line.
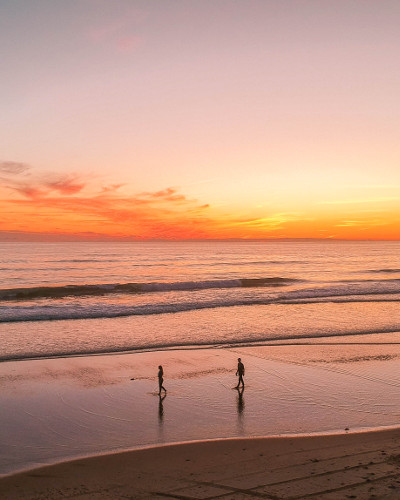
{"type": "Point", "coordinates": [244, 263]}
{"type": "Point", "coordinates": [388, 271]}
{"type": "Point", "coordinates": [126, 288]}
{"type": "Point", "coordinates": [83, 260]}
{"type": "Point", "coordinates": [346, 288]}
{"type": "Point", "coordinates": [252, 341]}
{"type": "Point", "coordinates": [79, 311]}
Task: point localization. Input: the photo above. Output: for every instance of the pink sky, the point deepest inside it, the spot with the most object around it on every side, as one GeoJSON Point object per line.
{"type": "Point", "coordinates": [200, 119]}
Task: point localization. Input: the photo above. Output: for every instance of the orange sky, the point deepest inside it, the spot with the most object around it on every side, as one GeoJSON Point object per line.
{"type": "Point", "coordinates": [76, 206]}
{"type": "Point", "coordinates": [140, 119]}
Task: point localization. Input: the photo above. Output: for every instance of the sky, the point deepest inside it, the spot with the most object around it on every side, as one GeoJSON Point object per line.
{"type": "Point", "coordinates": [191, 119]}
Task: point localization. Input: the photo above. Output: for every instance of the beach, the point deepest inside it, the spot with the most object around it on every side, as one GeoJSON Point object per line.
{"type": "Point", "coordinates": [361, 465]}
{"type": "Point", "coordinates": [335, 403]}
{"type": "Point", "coordinates": [199, 250]}
{"type": "Point", "coordinates": [84, 328]}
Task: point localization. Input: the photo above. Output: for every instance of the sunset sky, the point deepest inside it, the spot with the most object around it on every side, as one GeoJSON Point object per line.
{"type": "Point", "coordinates": [138, 119]}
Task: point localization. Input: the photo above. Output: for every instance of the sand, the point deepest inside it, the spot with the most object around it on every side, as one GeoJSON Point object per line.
{"type": "Point", "coordinates": [360, 465]}
{"type": "Point", "coordinates": [320, 405]}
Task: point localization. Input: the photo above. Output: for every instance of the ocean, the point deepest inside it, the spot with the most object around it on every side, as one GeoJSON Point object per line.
{"type": "Point", "coordinates": [194, 308]}
{"type": "Point", "coordinates": [66, 299]}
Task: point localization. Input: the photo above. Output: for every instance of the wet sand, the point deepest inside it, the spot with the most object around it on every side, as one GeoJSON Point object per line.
{"type": "Point", "coordinates": [363, 466]}
{"type": "Point", "coordinates": [56, 410]}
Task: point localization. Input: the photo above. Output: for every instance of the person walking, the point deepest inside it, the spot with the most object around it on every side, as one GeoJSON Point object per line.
{"type": "Point", "coordinates": [240, 372]}
{"type": "Point", "coordinates": [161, 380]}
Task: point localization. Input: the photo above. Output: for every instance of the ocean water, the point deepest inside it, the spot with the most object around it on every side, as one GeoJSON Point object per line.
{"type": "Point", "coordinates": [61, 299]}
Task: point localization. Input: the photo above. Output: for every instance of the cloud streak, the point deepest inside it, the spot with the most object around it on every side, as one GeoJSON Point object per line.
{"type": "Point", "coordinates": [37, 203]}
{"type": "Point", "coordinates": [13, 167]}
{"type": "Point", "coordinates": [65, 185]}
{"type": "Point", "coordinates": [61, 204]}
{"type": "Point", "coordinates": [119, 32]}
{"type": "Point", "coordinates": [19, 178]}
{"type": "Point", "coordinates": [381, 199]}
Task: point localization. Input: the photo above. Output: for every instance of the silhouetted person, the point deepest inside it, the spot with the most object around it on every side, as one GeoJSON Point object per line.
{"type": "Point", "coordinates": [240, 372]}
{"type": "Point", "coordinates": [161, 379]}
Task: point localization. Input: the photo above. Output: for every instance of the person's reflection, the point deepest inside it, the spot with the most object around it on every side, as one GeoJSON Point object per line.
{"type": "Point", "coordinates": [161, 408]}
{"type": "Point", "coordinates": [240, 408]}
{"type": "Point", "coordinates": [240, 401]}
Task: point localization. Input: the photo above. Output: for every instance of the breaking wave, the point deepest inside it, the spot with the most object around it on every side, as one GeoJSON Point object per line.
{"type": "Point", "coordinates": [388, 271]}
{"type": "Point", "coordinates": [126, 288]}
{"type": "Point", "coordinates": [385, 291]}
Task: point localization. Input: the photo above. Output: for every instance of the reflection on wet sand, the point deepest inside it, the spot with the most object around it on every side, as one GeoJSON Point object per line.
{"type": "Point", "coordinates": [240, 401]}
{"type": "Point", "coordinates": [161, 408]}
{"type": "Point", "coordinates": [54, 416]}
{"type": "Point", "coordinates": [240, 409]}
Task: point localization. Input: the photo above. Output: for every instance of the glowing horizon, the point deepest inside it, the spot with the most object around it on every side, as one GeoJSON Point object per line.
{"type": "Point", "coordinates": [141, 119]}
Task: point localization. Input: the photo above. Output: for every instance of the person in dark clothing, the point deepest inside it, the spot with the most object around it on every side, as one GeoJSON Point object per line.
{"type": "Point", "coordinates": [161, 379]}
{"type": "Point", "coordinates": [240, 372]}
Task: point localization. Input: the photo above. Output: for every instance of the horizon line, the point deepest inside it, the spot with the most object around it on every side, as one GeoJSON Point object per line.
{"type": "Point", "coordinates": [77, 239]}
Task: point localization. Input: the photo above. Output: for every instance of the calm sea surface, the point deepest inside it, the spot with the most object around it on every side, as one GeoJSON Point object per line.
{"type": "Point", "coordinates": [75, 298]}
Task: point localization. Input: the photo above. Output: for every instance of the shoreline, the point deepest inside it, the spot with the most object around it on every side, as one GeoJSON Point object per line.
{"type": "Point", "coordinates": [62, 409]}
{"type": "Point", "coordinates": [316, 341]}
{"type": "Point", "coordinates": [331, 466]}
{"type": "Point", "coordinates": [272, 437]}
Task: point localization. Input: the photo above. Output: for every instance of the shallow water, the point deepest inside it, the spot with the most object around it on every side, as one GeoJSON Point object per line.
{"type": "Point", "coordinates": [223, 326]}
{"type": "Point", "coordinates": [52, 410]}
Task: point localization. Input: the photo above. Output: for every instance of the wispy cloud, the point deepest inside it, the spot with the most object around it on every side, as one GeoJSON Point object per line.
{"type": "Point", "coordinates": [65, 185]}
{"type": "Point", "coordinates": [169, 194]}
{"type": "Point", "coordinates": [360, 201]}
{"type": "Point", "coordinates": [379, 186]}
{"type": "Point", "coordinates": [42, 188]}
{"type": "Point", "coordinates": [40, 203]}
{"type": "Point", "coordinates": [28, 191]}
{"type": "Point", "coordinates": [165, 213]}
{"type": "Point", "coordinates": [24, 180]}
{"type": "Point", "coordinates": [13, 167]}
{"type": "Point", "coordinates": [120, 33]}
{"type": "Point", "coordinates": [363, 224]}
{"type": "Point", "coordinates": [112, 188]}
{"type": "Point", "coordinates": [274, 221]}
{"type": "Point", "coordinates": [128, 43]}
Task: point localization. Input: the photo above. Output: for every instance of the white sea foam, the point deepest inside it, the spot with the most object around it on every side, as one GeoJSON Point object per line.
{"type": "Point", "coordinates": [60, 310]}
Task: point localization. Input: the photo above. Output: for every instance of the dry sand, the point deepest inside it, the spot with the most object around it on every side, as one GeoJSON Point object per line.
{"type": "Point", "coordinates": [360, 465]}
